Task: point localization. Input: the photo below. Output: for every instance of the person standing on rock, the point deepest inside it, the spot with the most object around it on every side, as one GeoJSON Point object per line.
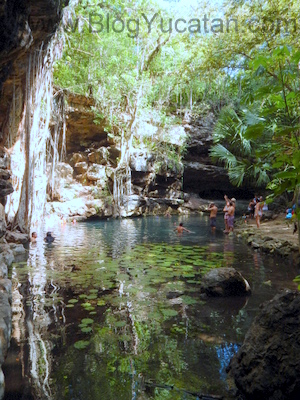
{"type": "Point", "coordinates": [213, 216]}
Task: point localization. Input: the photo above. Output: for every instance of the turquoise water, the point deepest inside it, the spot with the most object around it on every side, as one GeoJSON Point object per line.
{"type": "Point", "coordinates": [112, 310]}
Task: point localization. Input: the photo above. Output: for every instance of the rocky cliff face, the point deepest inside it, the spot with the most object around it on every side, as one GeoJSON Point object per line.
{"type": "Point", "coordinates": [25, 25]}
{"type": "Point", "coordinates": [85, 184]}
{"type": "Point", "coordinates": [158, 182]}
{"type": "Point", "coordinates": [201, 175]}
{"type": "Point", "coordinates": [26, 28]}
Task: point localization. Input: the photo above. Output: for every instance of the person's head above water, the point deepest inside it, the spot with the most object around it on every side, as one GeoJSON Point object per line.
{"type": "Point", "coordinates": [49, 238]}
{"type": "Point", "coordinates": [181, 224]}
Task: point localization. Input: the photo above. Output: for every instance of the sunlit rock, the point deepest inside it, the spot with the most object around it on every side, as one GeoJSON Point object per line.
{"type": "Point", "coordinates": [140, 161]}
{"type": "Point", "coordinates": [96, 173]}
{"type": "Point", "coordinates": [80, 167]}
{"type": "Point", "coordinates": [68, 208]}
{"type": "Point", "coordinates": [267, 366]}
{"type": "Point", "coordinates": [223, 282]}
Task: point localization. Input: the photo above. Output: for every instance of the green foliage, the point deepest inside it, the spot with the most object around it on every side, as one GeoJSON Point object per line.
{"type": "Point", "coordinates": [259, 138]}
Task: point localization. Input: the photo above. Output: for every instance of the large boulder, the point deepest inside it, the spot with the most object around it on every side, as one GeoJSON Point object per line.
{"type": "Point", "coordinates": [17, 237]}
{"type": "Point", "coordinates": [6, 255]}
{"type": "Point", "coordinates": [80, 167]}
{"type": "Point", "coordinates": [99, 156]}
{"type": "Point", "coordinates": [76, 158]}
{"type": "Point", "coordinates": [222, 282]}
{"type": "Point", "coordinates": [267, 366]}
{"type": "Point", "coordinates": [96, 173]}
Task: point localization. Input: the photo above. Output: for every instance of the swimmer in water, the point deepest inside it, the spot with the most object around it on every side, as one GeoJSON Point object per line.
{"type": "Point", "coordinates": [180, 228]}
{"type": "Point", "coordinates": [49, 238]}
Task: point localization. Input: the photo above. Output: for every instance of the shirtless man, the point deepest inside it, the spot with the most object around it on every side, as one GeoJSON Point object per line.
{"type": "Point", "coordinates": [33, 237]}
{"type": "Point", "coordinates": [230, 218]}
{"type": "Point", "coordinates": [213, 216]}
{"type": "Point", "coordinates": [180, 228]}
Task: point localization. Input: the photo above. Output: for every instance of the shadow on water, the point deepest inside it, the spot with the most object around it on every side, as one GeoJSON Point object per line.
{"type": "Point", "coordinates": [112, 310]}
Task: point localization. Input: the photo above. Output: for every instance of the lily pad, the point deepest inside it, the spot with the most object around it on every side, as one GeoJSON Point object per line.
{"type": "Point", "coordinates": [86, 329]}
{"type": "Point", "coordinates": [73, 301]}
{"type": "Point", "coordinates": [169, 312]}
{"type": "Point", "coordinates": [81, 344]}
{"type": "Point", "coordinates": [87, 321]}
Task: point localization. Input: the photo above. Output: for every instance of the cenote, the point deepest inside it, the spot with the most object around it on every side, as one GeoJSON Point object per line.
{"type": "Point", "coordinates": [112, 310]}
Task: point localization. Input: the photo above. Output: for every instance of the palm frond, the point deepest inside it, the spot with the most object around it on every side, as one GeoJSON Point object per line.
{"type": "Point", "coordinates": [237, 174]}
{"type": "Point", "coordinates": [219, 153]}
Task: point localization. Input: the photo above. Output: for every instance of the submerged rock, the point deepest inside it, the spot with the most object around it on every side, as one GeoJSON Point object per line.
{"type": "Point", "coordinates": [222, 282]}
{"type": "Point", "coordinates": [267, 366]}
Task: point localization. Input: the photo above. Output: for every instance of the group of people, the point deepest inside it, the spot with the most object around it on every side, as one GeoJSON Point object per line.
{"type": "Point", "coordinates": [256, 208]}
{"type": "Point", "coordinates": [48, 238]}
{"type": "Point", "coordinates": [229, 212]}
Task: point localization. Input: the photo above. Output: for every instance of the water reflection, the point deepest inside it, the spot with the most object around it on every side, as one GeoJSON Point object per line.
{"type": "Point", "coordinates": [134, 313]}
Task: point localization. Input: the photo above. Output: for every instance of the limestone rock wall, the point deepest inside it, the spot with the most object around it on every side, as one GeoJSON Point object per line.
{"type": "Point", "coordinates": [84, 183]}
{"type": "Point", "coordinates": [201, 175]}
{"type": "Point", "coordinates": [26, 27]}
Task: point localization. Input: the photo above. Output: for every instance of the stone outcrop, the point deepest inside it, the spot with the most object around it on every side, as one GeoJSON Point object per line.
{"type": "Point", "coordinates": [5, 324]}
{"type": "Point", "coordinates": [6, 259]}
{"type": "Point", "coordinates": [24, 27]}
{"type": "Point", "coordinates": [201, 175]}
{"type": "Point", "coordinates": [267, 242]}
{"type": "Point", "coordinates": [224, 282]}
{"type": "Point", "coordinates": [91, 161]}
{"type": "Point", "coordinates": [5, 183]}
{"type": "Point", "coordinates": [267, 366]}
{"type": "Point", "coordinates": [82, 133]}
